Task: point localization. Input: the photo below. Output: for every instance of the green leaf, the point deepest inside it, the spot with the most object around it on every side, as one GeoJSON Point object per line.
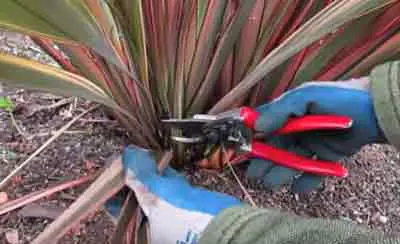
{"type": "Point", "coordinates": [272, 18]}
{"type": "Point", "coordinates": [201, 12]}
{"type": "Point", "coordinates": [219, 58]}
{"type": "Point", "coordinates": [326, 21]}
{"type": "Point", "coordinates": [315, 63]}
{"type": "Point", "coordinates": [247, 44]}
{"type": "Point", "coordinates": [206, 43]}
{"type": "Point", "coordinates": [7, 154]}
{"type": "Point", "coordinates": [63, 20]}
{"type": "Point", "coordinates": [130, 16]}
{"type": "Point", "coordinates": [23, 73]}
{"type": "Point", "coordinates": [84, 62]}
{"type": "Point", "coordinates": [387, 51]}
{"type": "Point", "coordinates": [6, 104]}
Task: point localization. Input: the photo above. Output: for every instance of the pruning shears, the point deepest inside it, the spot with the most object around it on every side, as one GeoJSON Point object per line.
{"type": "Point", "coordinates": [236, 128]}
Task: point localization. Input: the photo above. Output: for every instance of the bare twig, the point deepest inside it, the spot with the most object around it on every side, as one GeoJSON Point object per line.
{"type": "Point", "coordinates": [73, 105]}
{"type": "Point", "coordinates": [98, 121]}
{"type": "Point", "coordinates": [32, 197]}
{"type": "Point", "coordinates": [16, 125]}
{"type": "Point", "coordinates": [60, 103]}
{"type": "Point", "coordinates": [68, 132]}
{"type": "Point", "coordinates": [246, 193]}
{"type": "Point", "coordinates": [49, 47]}
{"type": "Point", "coordinates": [5, 181]}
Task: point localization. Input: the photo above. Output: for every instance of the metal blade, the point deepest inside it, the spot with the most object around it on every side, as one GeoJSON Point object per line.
{"type": "Point", "coordinates": [188, 140]}
{"type": "Point", "coordinates": [185, 123]}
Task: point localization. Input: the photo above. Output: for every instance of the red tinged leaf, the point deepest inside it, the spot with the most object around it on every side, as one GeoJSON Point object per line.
{"type": "Point", "coordinates": [88, 64]}
{"type": "Point", "coordinates": [301, 17]}
{"type": "Point", "coordinates": [184, 50]}
{"type": "Point", "coordinates": [381, 30]}
{"type": "Point", "coordinates": [35, 196]}
{"type": "Point", "coordinates": [296, 61]}
{"type": "Point", "coordinates": [246, 46]}
{"type": "Point", "coordinates": [108, 26]}
{"type": "Point", "coordinates": [278, 32]}
{"type": "Point", "coordinates": [274, 14]}
{"type": "Point", "coordinates": [190, 41]}
{"type": "Point", "coordinates": [292, 68]}
{"type": "Point", "coordinates": [327, 2]}
{"type": "Point", "coordinates": [302, 12]}
{"type": "Point", "coordinates": [175, 14]}
{"type": "Point", "coordinates": [49, 46]}
{"type": "Point", "coordinates": [386, 51]}
{"type": "Point", "coordinates": [206, 43]}
{"type": "Point", "coordinates": [226, 78]}
{"type": "Point", "coordinates": [152, 34]}
{"type": "Point", "coordinates": [326, 21]}
{"type": "Point", "coordinates": [224, 48]}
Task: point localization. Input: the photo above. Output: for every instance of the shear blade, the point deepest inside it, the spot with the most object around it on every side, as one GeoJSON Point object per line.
{"type": "Point", "coordinates": [188, 140]}
{"type": "Point", "coordinates": [185, 123]}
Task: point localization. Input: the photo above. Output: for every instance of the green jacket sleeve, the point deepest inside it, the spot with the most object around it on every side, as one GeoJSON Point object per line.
{"type": "Point", "coordinates": [385, 88]}
{"type": "Point", "coordinates": [247, 225]}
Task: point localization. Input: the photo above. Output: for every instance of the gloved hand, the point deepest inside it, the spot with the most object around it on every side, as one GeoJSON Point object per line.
{"type": "Point", "coordinates": [177, 212]}
{"type": "Point", "coordinates": [348, 98]}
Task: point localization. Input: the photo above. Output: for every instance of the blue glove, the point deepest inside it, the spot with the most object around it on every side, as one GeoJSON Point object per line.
{"type": "Point", "coordinates": [350, 98]}
{"type": "Point", "coordinates": [177, 212]}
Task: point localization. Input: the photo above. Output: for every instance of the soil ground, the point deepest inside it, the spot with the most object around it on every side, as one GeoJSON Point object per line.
{"type": "Point", "coordinates": [369, 196]}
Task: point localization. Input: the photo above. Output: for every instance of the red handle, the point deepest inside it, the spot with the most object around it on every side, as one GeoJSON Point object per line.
{"type": "Point", "coordinates": [293, 161]}
{"type": "Point", "coordinates": [301, 124]}
{"type": "Point", "coordinates": [249, 116]}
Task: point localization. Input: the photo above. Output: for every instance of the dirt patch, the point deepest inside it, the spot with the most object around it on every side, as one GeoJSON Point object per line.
{"type": "Point", "coordinates": [369, 196]}
{"type": "Point", "coordinates": [84, 147]}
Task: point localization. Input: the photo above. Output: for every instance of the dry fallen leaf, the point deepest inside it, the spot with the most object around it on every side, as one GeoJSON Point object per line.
{"type": "Point", "coordinates": [3, 197]}
{"type": "Point", "coordinates": [12, 236]}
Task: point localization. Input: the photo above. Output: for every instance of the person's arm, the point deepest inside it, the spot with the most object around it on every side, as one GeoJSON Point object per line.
{"type": "Point", "coordinates": [247, 225]}
{"type": "Point", "coordinates": [179, 213]}
{"type": "Point", "coordinates": [385, 89]}
{"type": "Point", "coordinates": [374, 104]}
